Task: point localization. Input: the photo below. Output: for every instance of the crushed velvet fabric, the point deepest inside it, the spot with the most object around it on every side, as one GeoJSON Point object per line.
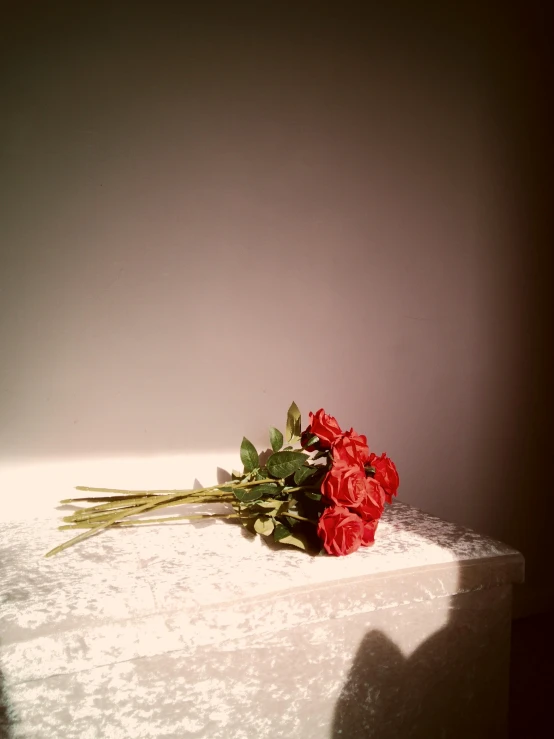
{"type": "Point", "coordinates": [202, 631]}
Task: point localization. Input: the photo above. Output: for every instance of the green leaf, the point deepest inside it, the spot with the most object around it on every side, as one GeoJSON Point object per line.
{"type": "Point", "coordinates": [264, 525]}
{"type": "Point", "coordinates": [269, 504]}
{"type": "Point", "coordinates": [294, 422]}
{"type": "Point", "coordinates": [287, 449]}
{"type": "Point", "coordinates": [267, 488]}
{"type": "Point", "coordinates": [311, 441]}
{"type": "Point", "coordinates": [248, 496]}
{"type": "Point", "coordinates": [227, 489]}
{"type": "Point", "coordinates": [292, 522]}
{"type": "Point", "coordinates": [313, 496]}
{"type": "Point", "coordinates": [276, 438]}
{"type": "Point", "coordinates": [296, 541]}
{"type": "Point", "coordinates": [280, 532]}
{"type": "Point", "coordinates": [283, 464]}
{"type": "Point", "coordinates": [248, 455]}
{"type": "Point", "coordinates": [303, 473]}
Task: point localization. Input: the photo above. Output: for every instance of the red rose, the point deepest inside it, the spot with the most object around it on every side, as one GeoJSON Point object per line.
{"type": "Point", "coordinates": [352, 448]}
{"type": "Point", "coordinates": [325, 427]}
{"type": "Point", "coordinates": [373, 502]}
{"type": "Point", "coordinates": [370, 526]}
{"type": "Point", "coordinates": [386, 474]}
{"type": "Point", "coordinates": [340, 530]}
{"type": "Point", "coordinates": [345, 484]}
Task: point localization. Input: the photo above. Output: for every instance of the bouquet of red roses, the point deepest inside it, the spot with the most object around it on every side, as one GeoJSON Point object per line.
{"type": "Point", "coordinates": [325, 489]}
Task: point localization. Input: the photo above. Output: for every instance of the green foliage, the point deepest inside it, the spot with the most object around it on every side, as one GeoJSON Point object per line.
{"type": "Point", "coordinates": [294, 423]}
{"type": "Point", "coordinates": [271, 506]}
{"type": "Point", "coordinates": [291, 522]}
{"type": "Point", "coordinates": [264, 525]}
{"type": "Point", "coordinates": [276, 438]}
{"type": "Point", "coordinates": [283, 464]}
{"type": "Point", "coordinates": [296, 541]}
{"type": "Point", "coordinates": [281, 532]}
{"type": "Point", "coordinates": [267, 488]}
{"type": "Point", "coordinates": [248, 495]}
{"type": "Point", "coordinates": [302, 474]}
{"type": "Point", "coordinates": [249, 455]}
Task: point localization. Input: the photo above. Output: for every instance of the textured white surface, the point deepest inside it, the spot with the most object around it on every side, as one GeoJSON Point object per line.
{"type": "Point", "coordinates": [143, 618]}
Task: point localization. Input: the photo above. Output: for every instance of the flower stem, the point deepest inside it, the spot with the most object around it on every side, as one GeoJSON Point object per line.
{"type": "Point", "coordinates": [99, 512]}
{"type": "Point", "coordinates": [138, 493]}
{"type": "Point", "coordinates": [125, 503]}
{"type": "Point", "coordinates": [164, 519]}
{"type": "Point", "coordinates": [99, 526]}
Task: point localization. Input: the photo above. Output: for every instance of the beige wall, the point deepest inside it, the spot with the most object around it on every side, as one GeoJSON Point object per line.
{"type": "Point", "coordinates": [204, 218]}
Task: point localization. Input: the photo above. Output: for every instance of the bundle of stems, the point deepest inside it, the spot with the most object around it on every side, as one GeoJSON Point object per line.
{"type": "Point", "coordinates": [120, 507]}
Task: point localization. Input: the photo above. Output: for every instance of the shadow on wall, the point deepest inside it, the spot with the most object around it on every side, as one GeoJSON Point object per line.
{"type": "Point", "coordinates": [455, 684]}
{"type": "Point", "coordinates": [447, 688]}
